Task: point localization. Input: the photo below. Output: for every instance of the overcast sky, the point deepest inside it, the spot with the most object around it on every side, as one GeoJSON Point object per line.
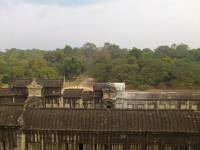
{"type": "Point", "coordinates": [50, 24]}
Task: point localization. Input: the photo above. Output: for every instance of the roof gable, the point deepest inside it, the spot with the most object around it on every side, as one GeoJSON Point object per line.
{"type": "Point", "coordinates": [9, 115]}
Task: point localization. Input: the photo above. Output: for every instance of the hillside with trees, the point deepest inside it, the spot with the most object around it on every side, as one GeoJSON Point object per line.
{"type": "Point", "coordinates": [175, 66]}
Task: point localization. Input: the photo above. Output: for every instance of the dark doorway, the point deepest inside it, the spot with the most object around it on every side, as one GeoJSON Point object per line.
{"type": "Point", "coordinates": [80, 146]}
{"type": "Point", "coordinates": [95, 146]}
{"type": "Point", "coordinates": [109, 104]}
{"type": "Point", "coordinates": [105, 147]}
{"type": "Point", "coordinates": [4, 145]}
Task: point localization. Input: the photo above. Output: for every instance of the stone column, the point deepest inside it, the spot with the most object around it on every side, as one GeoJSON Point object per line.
{"type": "Point", "coordinates": [21, 141]}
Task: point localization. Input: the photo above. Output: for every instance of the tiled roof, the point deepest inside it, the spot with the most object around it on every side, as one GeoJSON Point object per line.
{"type": "Point", "coordinates": [87, 95]}
{"type": "Point", "coordinates": [51, 83]}
{"type": "Point", "coordinates": [20, 92]}
{"type": "Point", "coordinates": [131, 121]}
{"type": "Point", "coordinates": [21, 83]}
{"type": "Point", "coordinates": [44, 83]}
{"type": "Point", "coordinates": [9, 114]}
{"type": "Point", "coordinates": [175, 95]}
{"type": "Point", "coordinates": [5, 92]}
{"type": "Point", "coordinates": [72, 93]}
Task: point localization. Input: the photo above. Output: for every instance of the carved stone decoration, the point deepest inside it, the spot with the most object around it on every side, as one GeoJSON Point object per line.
{"type": "Point", "coordinates": [34, 89]}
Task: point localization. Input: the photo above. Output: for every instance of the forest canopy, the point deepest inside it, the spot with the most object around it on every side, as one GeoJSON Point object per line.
{"type": "Point", "coordinates": [165, 66]}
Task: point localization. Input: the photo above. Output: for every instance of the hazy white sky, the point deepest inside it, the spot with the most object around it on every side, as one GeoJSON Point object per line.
{"type": "Point", "coordinates": [47, 24]}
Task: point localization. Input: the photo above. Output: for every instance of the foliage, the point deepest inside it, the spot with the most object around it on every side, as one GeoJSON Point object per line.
{"type": "Point", "coordinates": [166, 66]}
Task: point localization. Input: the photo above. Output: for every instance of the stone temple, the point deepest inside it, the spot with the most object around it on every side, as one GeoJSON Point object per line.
{"type": "Point", "coordinates": [43, 115]}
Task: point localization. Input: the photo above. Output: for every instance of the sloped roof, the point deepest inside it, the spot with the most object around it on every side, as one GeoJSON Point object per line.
{"type": "Point", "coordinates": [5, 92]}
{"type": "Point", "coordinates": [87, 95]}
{"type": "Point", "coordinates": [113, 120]}
{"type": "Point", "coordinates": [9, 114]}
{"type": "Point", "coordinates": [45, 83]}
{"type": "Point", "coordinates": [72, 93]}
{"type": "Point", "coordinates": [175, 95]}
{"type": "Point", "coordinates": [21, 93]}
{"type": "Point", "coordinates": [51, 83]}
{"type": "Point", "coordinates": [21, 83]}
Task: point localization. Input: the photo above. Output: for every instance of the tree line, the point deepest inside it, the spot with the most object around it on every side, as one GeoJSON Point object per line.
{"type": "Point", "coordinates": [175, 66]}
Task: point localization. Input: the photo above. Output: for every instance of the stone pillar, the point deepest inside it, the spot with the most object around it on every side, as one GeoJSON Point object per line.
{"type": "Point", "coordinates": [21, 140]}
{"type": "Point", "coordinates": [146, 104]}
{"type": "Point", "coordinates": [13, 99]}
{"type": "Point", "coordinates": [61, 103]}
{"type": "Point", "coordinates": [157, 104]}
{"type": "Point", "coordinates": [188, 104]}
{"type": "Point", "coordinates": [81, 103]}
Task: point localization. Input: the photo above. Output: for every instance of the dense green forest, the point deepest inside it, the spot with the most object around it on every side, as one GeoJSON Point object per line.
{"type": "Point", "coordinates": [166, 66]}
